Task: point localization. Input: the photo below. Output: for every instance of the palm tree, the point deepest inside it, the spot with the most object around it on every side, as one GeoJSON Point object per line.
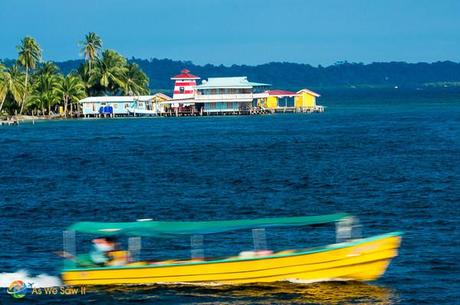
{"type": "Point", "coordinates": [83, 73]}
{"type": "Point", "coordinates": [109, 71]}
{"type": "Point", "coordinates": [44, 100]}
{"type": "Point", "coordinates": [29, 54]}
{"type": "Point", "coordinates": [12, 84]}
{"type": "Point", "coordinates": [135, 82]}
{"type": "Point", "coordinates": [47, 68]}
{"type": "Point", "coordinates": [92, 45]}
{"type": "Point", "coordinates": [71, 88]}
{"type": "Point", "coordinates": [4, 80]}
{"type": "Point", "coordinates": [45, 82]}
{"type": "Point", "coordinates": [50, 98]}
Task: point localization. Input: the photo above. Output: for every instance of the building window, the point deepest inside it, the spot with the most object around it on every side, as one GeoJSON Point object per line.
{"type": "Point", "coordinates": [115, 106]}
{"type": "Point", "coordinates": [126, 106]}
{"type": "Point", "coordinates": [212, 105]}
{"type": "Point", "coordinates": [229, 105]}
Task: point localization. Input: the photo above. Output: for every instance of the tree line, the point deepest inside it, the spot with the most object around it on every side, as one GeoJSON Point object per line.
{"type": "Point", "coordinates": [28, 85]}
{"type": "Point", "coordinates": [294, 76]}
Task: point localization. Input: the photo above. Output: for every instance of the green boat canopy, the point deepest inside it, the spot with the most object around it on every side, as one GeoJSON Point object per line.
{"type": "Point", "coordinates": [177, 228]}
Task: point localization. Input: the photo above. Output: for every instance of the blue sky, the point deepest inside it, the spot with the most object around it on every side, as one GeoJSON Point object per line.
{"type": "Point", "coordinates": [240, 32]}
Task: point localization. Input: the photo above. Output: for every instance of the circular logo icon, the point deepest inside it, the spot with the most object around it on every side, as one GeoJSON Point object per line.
{"type": "Point", "coordinates": [17, 289]}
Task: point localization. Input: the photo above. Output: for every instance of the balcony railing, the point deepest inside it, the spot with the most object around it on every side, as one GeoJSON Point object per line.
{"type": "Point", "coordinates": [229, 97]}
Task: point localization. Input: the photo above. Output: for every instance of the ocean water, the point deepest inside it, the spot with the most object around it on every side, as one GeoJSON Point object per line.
{"type": "Point", "coordinates": [392, 160]}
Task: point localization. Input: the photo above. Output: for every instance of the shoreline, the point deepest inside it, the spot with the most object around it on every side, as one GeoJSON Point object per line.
{"type": "Point", "coordinates": [31, 118]}
{"type": "Point", "coordinates": [16, 120]}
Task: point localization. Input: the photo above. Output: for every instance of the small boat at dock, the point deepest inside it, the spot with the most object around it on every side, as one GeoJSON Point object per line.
{"type": "Point", "coordinates": [351, 258]}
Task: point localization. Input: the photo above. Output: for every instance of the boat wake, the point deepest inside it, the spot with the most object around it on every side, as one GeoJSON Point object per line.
{"type": "Point", "coordinates": [39, 281]}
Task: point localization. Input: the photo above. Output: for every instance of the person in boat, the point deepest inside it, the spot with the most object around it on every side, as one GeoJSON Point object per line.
{"type": "Point", "coordinates": [105, 252]}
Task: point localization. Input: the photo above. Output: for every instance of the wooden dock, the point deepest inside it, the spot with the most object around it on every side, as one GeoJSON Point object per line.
{"type": "Point", "coordinates": [187, 112]}
{"type": "Point", "coordinates": [252, 111]}
{"type": "Point", "coordinates": [298, 110]}
{"type": "Point", "coordinates": [9, 123]}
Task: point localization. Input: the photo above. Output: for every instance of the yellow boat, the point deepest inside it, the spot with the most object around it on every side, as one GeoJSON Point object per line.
{"type": "Point", "coordinates": [360, 259]}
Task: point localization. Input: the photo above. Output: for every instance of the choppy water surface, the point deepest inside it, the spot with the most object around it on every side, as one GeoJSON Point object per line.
{"type": "Point", "coordinates": [394, 162]}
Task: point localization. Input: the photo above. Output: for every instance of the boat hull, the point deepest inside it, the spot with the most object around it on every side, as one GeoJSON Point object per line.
{"type": "Point", "coordinates": [360, 260]}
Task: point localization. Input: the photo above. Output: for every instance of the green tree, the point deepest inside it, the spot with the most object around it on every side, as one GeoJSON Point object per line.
{"type": "Point", "coordinates": [109, 72]}
{"type": "Point", "coordinates": [11, 86]}
{"type": "Point", "coordinates": [29, 55]}
{"type": "Point", "coordinates": [83, 73]}
{"type": "Point", "coordinates": [135, 81]}
{"type": "Point", "coordinates": [45, 82]}
{"type": "Point", "coordinates": [4, 81]}
{"type": "Point", "coordinates": [47, 68]}
{"type": "Point", "coordinates": [92, 46]}
{"type": "Point", "coordinates": [71, 89]}
{"type": "Point", "coordinates": [44, 101]}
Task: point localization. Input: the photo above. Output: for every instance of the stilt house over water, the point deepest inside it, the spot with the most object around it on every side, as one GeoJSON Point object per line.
{"type": "Point", "coordinates": [214, 96]}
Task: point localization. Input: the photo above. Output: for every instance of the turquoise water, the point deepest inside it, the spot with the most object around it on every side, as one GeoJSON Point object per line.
{"type": "Point", "coordinates": [393, 160]}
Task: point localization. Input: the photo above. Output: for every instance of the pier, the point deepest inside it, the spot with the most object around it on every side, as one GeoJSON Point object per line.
{"type": "Point", "coordinates": [192, 112]}
{"type": "Point", "coordinates": [254, 111]}
{"type": "Point", "coordinates": [298, 109]}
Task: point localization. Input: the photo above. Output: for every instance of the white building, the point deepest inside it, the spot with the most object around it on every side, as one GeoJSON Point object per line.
{"type": "Point", "coordinates": [228, 94]}
{"type": "Point", "coordinates": [122, 105]}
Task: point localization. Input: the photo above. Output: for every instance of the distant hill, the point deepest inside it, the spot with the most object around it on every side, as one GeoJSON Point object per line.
{"type": "Point", "coordinates": [295, 76]}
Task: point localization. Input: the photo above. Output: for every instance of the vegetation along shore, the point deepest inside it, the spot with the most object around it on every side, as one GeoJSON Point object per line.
{"type": "Point", "coordinates": [32, 88]}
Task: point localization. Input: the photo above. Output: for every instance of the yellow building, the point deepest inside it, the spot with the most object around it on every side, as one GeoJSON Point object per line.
{"type": "Point", "coordinates": [305, 99]}
{"type": "Point", "coordinates": [272, 101]}
{"type": "Point", "coordinates": [159, 99]}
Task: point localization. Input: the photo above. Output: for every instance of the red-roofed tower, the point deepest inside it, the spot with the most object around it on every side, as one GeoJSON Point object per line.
{"type": "Point", "coordinates": [185, 84]}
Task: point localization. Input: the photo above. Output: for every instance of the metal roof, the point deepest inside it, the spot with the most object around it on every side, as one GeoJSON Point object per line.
{"type": "Point", "coordinates": [228, 82]}
{"type": "Point", "coordinates": [163, 96]}
{"type": "Point", "coordinates": [281, 93]}
{"type": "Point", "coordinates": [120, 99]}
{"type": "Point", "coordinates": [185, 74]}
{"type": "Point", "coordinates": [309, 92]}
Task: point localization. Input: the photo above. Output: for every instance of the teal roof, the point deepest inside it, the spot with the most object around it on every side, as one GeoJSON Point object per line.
{"type": "Point", "coordinates": [239, 82]}
{"type": "Point", "coordinates": [175, 228]}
